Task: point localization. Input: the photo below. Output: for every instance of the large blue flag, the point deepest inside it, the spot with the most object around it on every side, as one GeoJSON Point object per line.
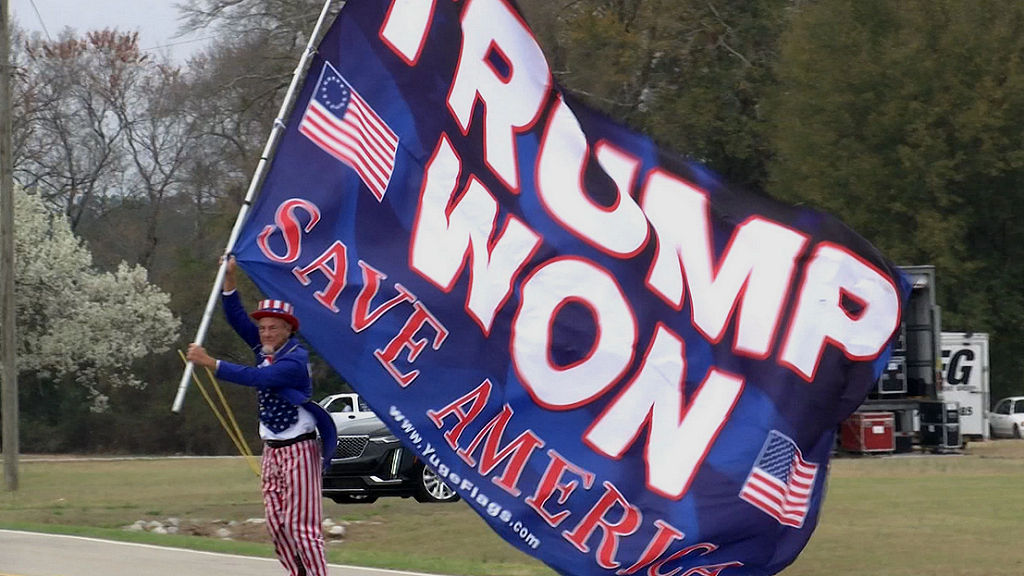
{"type": "Point", "coordinates": [622, 364]}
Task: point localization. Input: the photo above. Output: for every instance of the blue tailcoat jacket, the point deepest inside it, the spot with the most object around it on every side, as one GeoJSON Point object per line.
{"type": "Point", "coordinates": [282, 384]}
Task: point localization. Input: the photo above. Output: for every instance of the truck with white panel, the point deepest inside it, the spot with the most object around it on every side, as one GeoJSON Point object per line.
{"type": "Point", "coordinates": [965, 372]}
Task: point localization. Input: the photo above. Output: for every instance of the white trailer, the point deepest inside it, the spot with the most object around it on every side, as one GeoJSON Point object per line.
{"type": "Point", "coordinates": [965, 375]}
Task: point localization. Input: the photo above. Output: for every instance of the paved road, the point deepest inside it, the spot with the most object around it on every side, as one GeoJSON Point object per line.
{"type": "Point", "coordinates": [34, 554]}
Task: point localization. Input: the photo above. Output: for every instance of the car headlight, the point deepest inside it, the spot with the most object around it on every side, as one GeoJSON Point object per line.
{"type": "Point", "coordinates": [389, 439]}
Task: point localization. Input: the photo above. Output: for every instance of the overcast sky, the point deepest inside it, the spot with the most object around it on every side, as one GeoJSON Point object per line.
{"type": "Point", "coordinates": [155, 20]}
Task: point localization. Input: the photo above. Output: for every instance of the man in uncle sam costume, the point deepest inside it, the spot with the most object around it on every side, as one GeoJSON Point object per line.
{"type": "Point", "coordinates": [289, 421]}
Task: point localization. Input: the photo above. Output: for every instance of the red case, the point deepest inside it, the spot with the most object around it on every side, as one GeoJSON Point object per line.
{"type": "Point", "coordinates": [869, 432]}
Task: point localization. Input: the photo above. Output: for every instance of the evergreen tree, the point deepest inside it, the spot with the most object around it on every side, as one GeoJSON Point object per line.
{"type": "Point", "coordinates": [906, 120]}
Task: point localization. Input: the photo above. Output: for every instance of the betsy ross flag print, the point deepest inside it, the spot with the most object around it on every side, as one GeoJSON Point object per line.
{"type": "Point", "coordinates": [342, 124]}
{"type": "Point", "coordinates": [781, 481]}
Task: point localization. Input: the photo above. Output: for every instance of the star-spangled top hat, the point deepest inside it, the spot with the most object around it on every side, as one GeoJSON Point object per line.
{"type": "Point", "coordinates": [276, 309]}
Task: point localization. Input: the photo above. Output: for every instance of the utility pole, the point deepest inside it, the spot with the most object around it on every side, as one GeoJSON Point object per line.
{"type": "Point", "coordinates": [8, 372]}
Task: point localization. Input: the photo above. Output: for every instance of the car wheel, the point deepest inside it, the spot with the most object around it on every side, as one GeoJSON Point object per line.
{"type": "Point", "coordinates": [1016, 431]}
{"type": "Point", "coordinates": [991, 432]}
{"type": "Point", "coordinates": [432, 489]}
{"type": "Point", "coordinates": [353, 499]}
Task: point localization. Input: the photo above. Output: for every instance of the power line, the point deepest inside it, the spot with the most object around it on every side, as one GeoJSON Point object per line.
{"type": "Point", "coordinates": [169, 44]}
{"type": "Point", "coordinates": [40, 17]}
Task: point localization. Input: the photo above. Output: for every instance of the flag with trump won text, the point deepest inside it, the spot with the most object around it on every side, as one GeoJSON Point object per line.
{"type": "Point", "coordinates": [622, 364]}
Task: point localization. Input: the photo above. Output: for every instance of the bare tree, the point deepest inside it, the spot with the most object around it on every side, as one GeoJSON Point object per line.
{"type": "Point", "coordinates": [159, 134]}
{"type": "Point", "coordinates": [238, 84]}
{"type": "Point", "coordinates": [70, 132]}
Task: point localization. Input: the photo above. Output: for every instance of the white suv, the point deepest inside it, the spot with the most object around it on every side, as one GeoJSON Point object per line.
{"type": "Point", "coordinates": [346, 408]}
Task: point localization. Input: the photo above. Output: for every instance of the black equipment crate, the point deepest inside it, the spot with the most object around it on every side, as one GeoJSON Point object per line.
{"type": "Point", "coordinates": [894, 379]}
{"type": "Point", "coordinates": [940, 424]}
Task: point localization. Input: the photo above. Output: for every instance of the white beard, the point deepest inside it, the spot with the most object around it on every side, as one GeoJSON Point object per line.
{"type": "Point", "coordinates": [267, 349]}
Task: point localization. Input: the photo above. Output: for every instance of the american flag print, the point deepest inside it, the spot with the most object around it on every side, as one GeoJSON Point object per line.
{"type": "Point", "coordinates": [781, 482]}
{"type": "Point", "coordinates": [342, 124]}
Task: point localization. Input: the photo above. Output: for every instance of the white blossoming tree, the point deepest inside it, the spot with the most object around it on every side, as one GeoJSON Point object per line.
{"type": "Point", "coordinates": [75, 323]}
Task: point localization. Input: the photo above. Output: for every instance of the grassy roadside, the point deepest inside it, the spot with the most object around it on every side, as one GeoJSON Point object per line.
{"type": "Point", "coordinates": [98, 498]}
{"type": "Point", "coordinates": [954, 515]}
{"type": "Point", "coordinates": [172, 540]}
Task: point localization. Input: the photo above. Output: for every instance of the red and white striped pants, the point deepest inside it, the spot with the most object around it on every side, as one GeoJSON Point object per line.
{"type": "Point", "coordinates": [291, 495]}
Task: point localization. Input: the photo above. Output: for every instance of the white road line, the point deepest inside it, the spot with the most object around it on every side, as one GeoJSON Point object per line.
{"type": "Point", "coordinates": [203, 552]}
{"type": "Point", "coordinates": [33, 459]}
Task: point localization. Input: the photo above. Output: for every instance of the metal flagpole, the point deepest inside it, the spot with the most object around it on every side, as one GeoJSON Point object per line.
{"type": "Point", "coordinates": [257, 181]}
